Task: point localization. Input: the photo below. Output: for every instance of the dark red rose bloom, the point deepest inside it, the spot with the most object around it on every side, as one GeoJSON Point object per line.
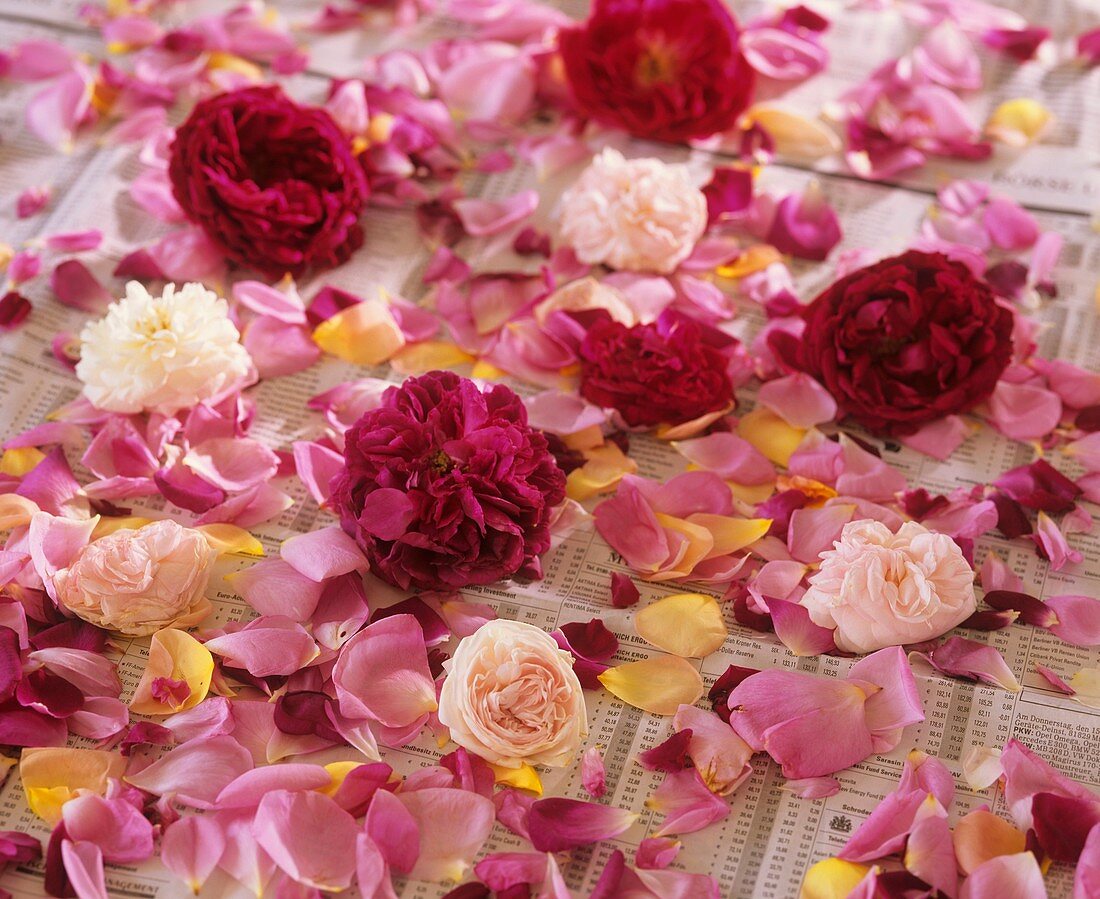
{"type": "Point", "coordinates": [665, 69]}
{"type": "Point", "coordinates": [660, 373]}
{"type": "Point", "coordinates": [905, 341]}
{"type": "Point", "coordinates": [445, 485]}
{"type": "Point", "coordinates": [275, 185]}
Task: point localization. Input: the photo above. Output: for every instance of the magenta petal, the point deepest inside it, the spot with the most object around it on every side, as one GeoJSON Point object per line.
{"type": "Point", "coordinates": [90, 672]}
{"type": "Point", "coordinates": [629, 525]}
{"type": "Point", "coordinates": [120, 831]}
{"type": "Point", "coordinates": [897, 704]}
{"type": "Point", "coordinates": [799, 634]}
{"type": "Point", "coordinates": [382, 673]}
{"type": "Point", "coordinates": [196, 772]}
{"type": "Point", "coordinates": [191, 849]}
{"type": "Point", "coordinates": [273, 587]}
{"type": "Point", "coordinates": [960, 657]}
{"type": "Point", "coordinates": [248, 789]}
{"type": "Point", "coordinates": [323, 554]}
{"type": "Point", "coordinates": [559, 824]}
{"type": "Point", "coordinates": [686, 803]}
{"type": "Point", "coordinates": [316, 465]}
{"type": "Point", "coordinates": [309, 837]}
{"type": "Point", "coordinates": [388, 514]}
{"type": "Point", "coordinates": [54, 113]}
{"type": "Point", "coordinates": [394, 831]}
{"type": "Point", "coordinates": [656, 853]}
{"type": "Point", "coordinates": [75, 286]}
{"type": "Point", "coordinates": [1086, 882]}
{"type": "Point", "coordinates": [1078, 619]}
{"type": "Point", "coordinates": [454, 825]}
{"type": "Point", "coordinates": [503, 871]}
{"type": "Point", "coordinates": [26, 727]}
{"type": "Point", "coordinates": [84, 867]}
{"type": "Point", "coordinates": [1025, 774]}
{"type": "Point", "coordinates": [484, 217]}
{"type": "Point", "coordinates": [805, 225]}
{"type": "Point", "coordinates": [926, 773]}
{"type": "Point", "coordinates": [1062, 823]}
{"type": "Point", "coordinates": [593, 773]}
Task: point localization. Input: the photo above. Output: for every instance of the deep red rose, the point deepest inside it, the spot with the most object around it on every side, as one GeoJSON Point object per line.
{"type": "Point", "coordinates": [275, 185]}
{"type": "Point", "coordinates": [446, 485]}
{"type": "Point", "coordinates": [905, 341]}
{"type": "Point", "coordinates": [660, 373]}
{"type": "Point", "coordinates": [665, 69]}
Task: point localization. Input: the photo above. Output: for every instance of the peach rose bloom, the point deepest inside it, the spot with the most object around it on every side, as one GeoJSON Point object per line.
{"type": "Point", "coordinates": [878, 588]}
{"type": "Point", "coordinates": [637, 215]}
{"type": "Point", "coordinates": [510, 697]}
{"type": "Point", "coordinates": [139, 581]}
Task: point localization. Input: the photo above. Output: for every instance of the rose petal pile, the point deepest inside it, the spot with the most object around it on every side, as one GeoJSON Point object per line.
{"type": "Point", "coordinates": [666, 69]}
{"type": "Point", "coordinates": [139, 581]}
{"type": "Point", "coordinates": [906, 341]}
{"type": "Point", "coordinates": [445, 485]}
{"type": "Point", "coordinates": [275, 185]}
{"type": "Point", "coordinates": [878, 588]}
{"type": "Point", "coordinates": [161, 354]}
{"type": "Point", "coordinates": [657, 373]}
{"type": "Point", "coordinates": [511, 697]}
{"type": "Point", "coordinates": [633, 215]}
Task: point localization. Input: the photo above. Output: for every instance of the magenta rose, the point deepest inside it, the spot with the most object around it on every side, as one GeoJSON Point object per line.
{"type": "Point", "coordinates": [665, 69]}
{"type": "Point", "coordinates": [660, 373]}
{"type": "Point", "coordinates": [446, 485]}
{"type": "Point", "coordinates": [904, 342]}
{"type": "Point", "coordinates": [275, 185]}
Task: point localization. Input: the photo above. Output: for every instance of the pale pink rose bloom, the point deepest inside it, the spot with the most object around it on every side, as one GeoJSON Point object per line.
{"type": "Point", "coordinates": [878, 588]}
{"type": "Point", "coordinates": [638, 215]}
{"type": "Point", "coordinates": [510, 697]}
{"type": "Point", "coordinates": [139, 581]}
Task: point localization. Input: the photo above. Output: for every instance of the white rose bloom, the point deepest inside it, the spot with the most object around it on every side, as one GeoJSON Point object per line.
{"type": "Point", "coordinates": [878, 588]}
{"type": "Point", "coordinates": [638, 215]}
{"type": "Point", "coordinates": [161, 354]}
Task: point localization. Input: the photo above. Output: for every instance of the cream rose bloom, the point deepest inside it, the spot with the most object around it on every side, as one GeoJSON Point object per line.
{"type": "Point", "coordinates": [139, 581]}
{"type": "Point", "coordinates": [638, 215]}
{"type": "Point", "coordinates": [510, 696]}
{"type": "Point", "coordinates": [878, 588]}
{"type": "Point", "coordinates": [161, 354]}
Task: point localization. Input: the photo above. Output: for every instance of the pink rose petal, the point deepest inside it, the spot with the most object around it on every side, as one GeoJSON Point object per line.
{"type": "Point", "coordinates": [1078, 619]}
{"type": "Point", "coordinates": [273, 587]}
{"type": "Point", "coordinates": [323, 554]}
{"type": "Point", "coordinates": [686, 803]}
{"type": "Point", "coordinates": [196, 772]}
{"type": "Point", "coordinates": [1005, 877]}
{"type": "Point", "coordinates": [316, 466]}
{"type": "Point", "coordinates": [1024, 411]}
{"type": "Point", "coordinates": [84, 868]}
{"type": "Point", "coordinates": [74, 285]}
{"type": "Point", "coordinates": [453, 824]}
{"type": "Point", "coordinates": [799, 634]}
{"type": "Point", "coordinates": [266, 646]}
{"type": "Point", "coordinates": [560, 824]}
{"type": "Point", "coordinates": [813, 787]}
{"type": "Point", "coordinates": [481, 218]}
{"type": "Point", "coordinates": [191, 849]}
{"type": "Point", "coordinates": [308, 836]}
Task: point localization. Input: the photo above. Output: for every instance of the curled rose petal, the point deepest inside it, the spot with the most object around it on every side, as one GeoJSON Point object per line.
{"type": "Point", "coordinates": [558, 824]}
{"type": "Point", "coordinates": [686, 624]}
{"type": "Point", "coordinates": [720, 756]}
{"type": "Point", "coordinates": [686, 803]}
{"type": "Point", "coordinates": [960, 657]}
{"type": "Point", "coordinates": [176, 657]}
{"type": "Point", "coordinates": [659, 685]}
{"type": "Point", "coordinates": [593, 774]}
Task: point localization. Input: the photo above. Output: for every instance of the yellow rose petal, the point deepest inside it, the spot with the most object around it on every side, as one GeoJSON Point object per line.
{"type": "Point", "coordinates": [698, 545]}
{"type": "Point", "coordinates": [428, 355]}
{"type": "Point", "coordinates": [363, 334]}
{"type": "Point", "coordinates": [228, 538]}
{"type": "Point", "coordinates": [174, 655]}
{"type": "Point", "coordinates": [232, 63]}
{"type": "Point", "coordinates": [1018, 122]}
{"type": "Point", "coordinates": [754, 259]}
{"type": "Point", "coordinates": [731, 534]}
{"type": "Point", "coordinates": [685, 624]}
{"type": "Point", "coordinates": [524, 777]}
{"type": "Point", "coordinates": [794, 135]}
{"type": "Point", "coordinates": [584, 439]}
{"type": "Point", "coordinates": [17, 462]}
{"type": "Point", "coordinates": [486, 371]}
{"type": "Point", "coordinates": [688, 429]}
{"type": "Point", "coordinates": [1087, 684]}
{"type": "Point", "coordinates": [51, 776]}
{"type": "Point", "coordinates": [15, 510]}
{"type": "Point", "coordinates": [108, 526]}
{"type": "Point", "coordinates": [603, 469]}
{"type": "Point", "coordinates": [770, 434]}
{"type": "Point", "coordinates": [753, 495]}
{"type": "Point", "coordinates": [832, 878]}
{"type": "Point", "coordinates": [659, 685]}
{"type": "Point", "coordinates": [338, 771]}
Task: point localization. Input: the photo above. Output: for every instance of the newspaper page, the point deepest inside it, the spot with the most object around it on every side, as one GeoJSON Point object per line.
{"type": "Point", "coordinates": [763, 848]}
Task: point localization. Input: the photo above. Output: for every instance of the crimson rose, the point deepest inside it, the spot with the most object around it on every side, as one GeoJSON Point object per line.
{"type": "Point", "coordinates": [445, 485]}
{"type": "Point", "coordinates": [660, 373]}
{"type": "Point", "coordinates": [666, 69]}
{"type": "Point", "coordinates": [275, 185]}
{"type": "Point", "coordinates": [905, 341]}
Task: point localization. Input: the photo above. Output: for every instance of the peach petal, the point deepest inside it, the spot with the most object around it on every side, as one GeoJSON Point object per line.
{"type": "Point", "coordinates": [730, 535]}
{"type": "Point", "coordinates": [795, 136]}
{"type": "Point", "coordinates": [1018, 122]}
{"type": "Point", "coordinates": [177, 656]}
{"type": "Point", "coordinates": [770, 434]}
{"type": "Point", "coordinates": [363, 334]}
{"type": "Point", "coordinates": [604, 467]}
{"type": "Point", "coordinates": [981, 835]}
{"type": "Point", "coordinates": [228, 539]}
{"type": "Point", "coordinates": [52, 776]}
{"type": "Point", "coordinates": [309, 837]}
{"type": "Point", "coordinates": [832, 878]}
{"type": "Point", "coordinates": [428, 355]}
{"type": "Point", "coordinates": [15, 510]}
{"type": "Point", "coordinates": [659, 685]}
{"type": "Point", "coordinates": [686, 624]}
{"type": "Point", "coordinates": [1086, 687]}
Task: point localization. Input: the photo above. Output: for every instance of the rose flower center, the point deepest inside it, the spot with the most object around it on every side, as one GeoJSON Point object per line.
{"type": "Point", "coordinates": [656, 65]}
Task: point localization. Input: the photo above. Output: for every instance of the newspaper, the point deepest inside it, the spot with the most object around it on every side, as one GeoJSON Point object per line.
{"type": "Point", "coordinates": [763, 848]}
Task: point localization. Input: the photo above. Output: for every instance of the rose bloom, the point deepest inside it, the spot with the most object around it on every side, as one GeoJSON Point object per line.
{"type": "Point", "coordinates": [510, 696]}
{"type": "Point", "coordinates": [665, 69]}
{"type": "Point", "coordinates": [878, 588]}
{"type": "Point", "coordinates": [161, 354]}
{"type": "Point", "coordinates": [275, 185]}
{"type": "Point", "coordinates": [658, 373]}
{"type": "Point", "coordinates": [445, 485]}
{"type": "Point", "coordinates": [140, 581]}
{"type": "Point", "coordinates": [638, 215]}
{"type": "Point", "coordinates": [906, 341]}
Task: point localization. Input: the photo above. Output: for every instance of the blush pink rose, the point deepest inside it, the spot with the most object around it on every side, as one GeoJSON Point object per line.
{"type": "Point", "coordinates": [140, 581]}
{"type": "Point", "coordinates": [511, 697]}
{"type": "Point", "coordinates": [878, 588]}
